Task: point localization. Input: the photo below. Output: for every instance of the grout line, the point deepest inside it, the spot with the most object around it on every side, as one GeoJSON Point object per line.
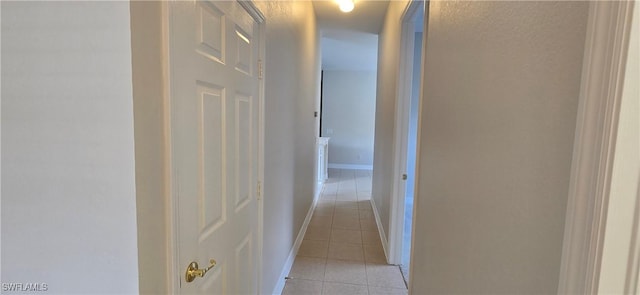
{"type": "Point", "coordinates": [340, 179]}
{"type": "Point", "coordinates": [324, 274]}
{"type": "Point", "coordinates": [404, 279]}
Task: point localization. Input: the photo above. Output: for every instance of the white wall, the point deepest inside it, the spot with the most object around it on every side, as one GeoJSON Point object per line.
{"type": "Point", "coordinates": [152, 178]}
{"type": "Point", "coordinates": [348, 115]}
{"type": "Point", "coordinates": [346, 50]}
{"type": "Point", "coordinates": [388, 61]}
{"type": "Point", "coordinates": [498, 121]}
{"type": "Point", "coordinates": [623, 196]}
{"type": "Point", "coordinates": [292, 78]}
{"type": "Point", "coordinates": [68, 194]}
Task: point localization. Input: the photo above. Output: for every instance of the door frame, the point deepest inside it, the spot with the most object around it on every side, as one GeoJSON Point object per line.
{"type": "Point", "coordinates": [174, 271]}
{"type": "Point", "coordinates": [401, 132]}
{"type": "Point", "coordinates": [606, 44]}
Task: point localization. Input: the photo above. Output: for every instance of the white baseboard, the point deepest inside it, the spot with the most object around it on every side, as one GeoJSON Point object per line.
{"type": "Point", "coordinates": [350, 166]}
{"type": "Point", "coordinates": [318, 190]}
{"type": "Point", "coordinates": [383, 236]}
{"type": "Point", "coordinates": [296, 246]}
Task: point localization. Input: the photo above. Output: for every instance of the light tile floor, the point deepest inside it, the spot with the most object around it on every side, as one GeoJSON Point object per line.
{"type": "Point", "coordinates": [341, 252]}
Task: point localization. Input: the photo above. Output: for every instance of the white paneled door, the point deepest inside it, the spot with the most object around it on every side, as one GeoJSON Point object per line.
{"type": "Point", "coordinates": [214, 89]}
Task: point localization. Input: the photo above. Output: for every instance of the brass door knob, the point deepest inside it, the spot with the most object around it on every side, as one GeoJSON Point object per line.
{"type": "Point", "coordinates": [193, 271]}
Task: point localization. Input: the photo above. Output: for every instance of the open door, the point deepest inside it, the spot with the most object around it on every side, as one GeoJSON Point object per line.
{"type": "Point", "coordinates": [215, 102]}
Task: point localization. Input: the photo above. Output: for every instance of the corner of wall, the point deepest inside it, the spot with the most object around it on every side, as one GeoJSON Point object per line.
{"type": "Point", "coordinates": [152, 198]}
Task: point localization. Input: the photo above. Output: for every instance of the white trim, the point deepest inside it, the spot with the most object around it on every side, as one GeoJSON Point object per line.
{"type": "Point", "coordinates": [260, 19]}
{"type": "Point", "coordinates": [294, 250]}
{"type": "Point", "coordinates": [403, 106]}
{"type": "Point", "coordinates": [383, 237]}
{"type": "Point", "coordinates": [633, 267]}
{"type": "Point", "coordinates": [174, 275]}
{"type": "Point", "coordinates": [316, 195]}
{"type": "Point", "coordinates": [253, 11]}
{"type": "Point", "coordinates": [604, 60]}
{"type": "Point", "coordinates": [350, 166]}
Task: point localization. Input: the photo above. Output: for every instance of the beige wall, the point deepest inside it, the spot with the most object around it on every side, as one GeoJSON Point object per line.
{"type": "Point", "coordinates": [626, 175]}
{"type": "Point", "coordinates": [498, 121]}
{"type": "Point", "coordinates": [388, 61]}
{"type": "Point", "coordinates": [292, 77]}
{"type": "Point", "coordinates": [68, 171]}
{"type": "Point", "coordinates": [152, 178]}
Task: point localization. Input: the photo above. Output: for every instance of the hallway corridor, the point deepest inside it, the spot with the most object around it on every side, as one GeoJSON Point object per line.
{"type": "Point", "coordinates": [341, 252]}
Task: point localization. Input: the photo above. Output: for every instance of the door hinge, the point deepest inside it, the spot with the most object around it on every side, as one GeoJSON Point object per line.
{"type": "Point", "coordinates": [260, 69]}
{"type": "Point", "coordinates": [404, 176]}
{"type": "Point", "coordinates": [259, 190]}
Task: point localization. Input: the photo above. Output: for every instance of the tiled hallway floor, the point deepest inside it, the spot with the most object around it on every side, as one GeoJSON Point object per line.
{"type": "Point", "coordinates": [341, 252]}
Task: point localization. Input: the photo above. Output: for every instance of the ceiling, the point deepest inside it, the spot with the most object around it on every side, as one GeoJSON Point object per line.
{"type": "Point", "coordinates": [366, 17]}
{"type": "Point", "coordinates": [350, 40]}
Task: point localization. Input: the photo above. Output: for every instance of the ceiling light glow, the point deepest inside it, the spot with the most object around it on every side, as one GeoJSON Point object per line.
{"type": "Point", "coordinates": [346, 5]}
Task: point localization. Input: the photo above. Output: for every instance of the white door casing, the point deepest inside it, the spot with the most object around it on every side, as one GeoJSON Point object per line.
{"type": "Point", "coordinates": [607, 40]}
{"type": "Point", "coordinates": [215, 105]}
{"type": "Point", "coordinates": [401, 132]}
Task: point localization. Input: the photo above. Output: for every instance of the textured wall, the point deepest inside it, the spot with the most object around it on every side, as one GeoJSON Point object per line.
{"type": "Point", "coordinates": [292, 79]}
{"type": "Point", "coordinates": [498, 121]}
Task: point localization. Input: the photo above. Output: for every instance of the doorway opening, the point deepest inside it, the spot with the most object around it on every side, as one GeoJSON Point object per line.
{"type": "Point", "coordinates": [406, 139]}
{"type": "Point", "coordinates": [348, 98]}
